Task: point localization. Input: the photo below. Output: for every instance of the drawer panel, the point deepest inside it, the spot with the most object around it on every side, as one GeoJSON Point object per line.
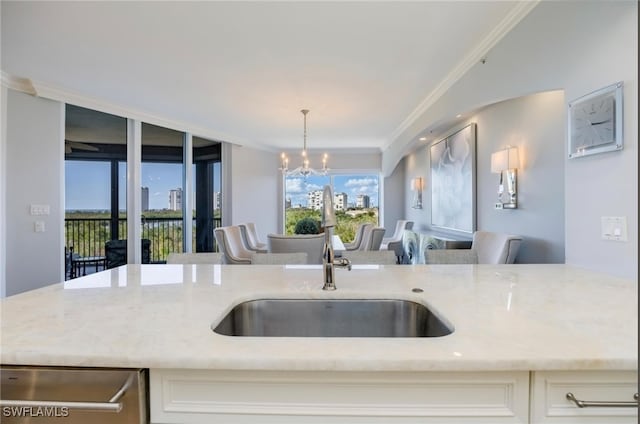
{"type": "Point", "coordinates": [313, 397]}
{"type": "Point", "coordinates": [550, 404]}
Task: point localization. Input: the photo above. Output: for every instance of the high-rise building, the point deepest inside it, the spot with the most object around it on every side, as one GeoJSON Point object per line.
{"type": "Point", "coordinates": [314, 200]}
{"type": "Point", "coordinates": [287, 203]}
{"type": "Point", "coordinates": [175, 199]}
{"type": "Point", "coordinates": [363, 201]}
{"type": "Point", "coordinates": [217, 200]}
{"type": "Point", "coordinates": [340, 201]}
{"type": "Point", "coordinates": [145, 199]}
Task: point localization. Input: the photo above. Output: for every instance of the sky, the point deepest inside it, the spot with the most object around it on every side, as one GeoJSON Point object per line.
{"type": "Point", "coordinates": [298, 187]}
{"type": "Point", "coordinates": [87, 184]}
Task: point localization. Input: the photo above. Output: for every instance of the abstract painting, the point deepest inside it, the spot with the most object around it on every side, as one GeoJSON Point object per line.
{"type": "Point", "coordinates": [453, 186]}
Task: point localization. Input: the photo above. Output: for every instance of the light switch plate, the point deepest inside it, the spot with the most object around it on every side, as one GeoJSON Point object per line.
{"type": "Point", "coordinates": [36, 210]}
{"type": "Point", "coordinates": [614, 228]}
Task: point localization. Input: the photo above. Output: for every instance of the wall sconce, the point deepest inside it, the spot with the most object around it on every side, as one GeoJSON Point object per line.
{"type": "Point", "coordinates": [505, 162]}
{"type": "Point", "coordinates": [416, 186]}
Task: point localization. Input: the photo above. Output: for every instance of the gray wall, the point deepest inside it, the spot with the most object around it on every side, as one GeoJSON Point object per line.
{"type": "Point", "coordinates": [35, 175]}
{"type": "Point", "coordinates": [535, 125]}
{"type": "Point", "coordinates": [394, 198]}
{"type": "Point", "coordinates": [551, 50]}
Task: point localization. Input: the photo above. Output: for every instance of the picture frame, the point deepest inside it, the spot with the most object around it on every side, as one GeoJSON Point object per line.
{"type": "Point", "coordinates": [595, 122]}
{"type": "Point", "coordinates": [453, 181]}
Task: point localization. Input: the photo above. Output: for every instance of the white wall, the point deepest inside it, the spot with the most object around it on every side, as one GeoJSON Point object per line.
{"type": "Point", "coordinates": [535, 125]}
{"type": "Point", "coordinates": [253, 189]}
{"type": "Point", "coordinates": [35, 175]}
{"type": "Point", "coordinates": [3, 187]}
{"type": "Point", "coordinates": [551, 49]}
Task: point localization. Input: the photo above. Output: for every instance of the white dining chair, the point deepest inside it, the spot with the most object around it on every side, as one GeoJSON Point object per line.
{"type": "Point", "coordinates": [232, 246]}
{"type": "Point", "coordinates": [250, 237]}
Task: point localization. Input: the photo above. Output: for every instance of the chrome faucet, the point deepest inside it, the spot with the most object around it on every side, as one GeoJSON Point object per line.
{"type": "Point", "coordinates": [329, 262]}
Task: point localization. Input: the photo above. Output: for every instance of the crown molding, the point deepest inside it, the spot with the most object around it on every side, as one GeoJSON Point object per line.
{"type": "Point", "coordinates": [16, 83]}
{"type": "Point", "coordinates": [67, 96]}
{"type": "Point", "coordinates": [52, 92]}
{"type": "Point", "coordinates": [516, 14]}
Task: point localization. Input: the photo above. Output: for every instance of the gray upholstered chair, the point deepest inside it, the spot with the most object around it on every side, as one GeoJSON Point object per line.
{"type": "Point", "coordinates": [450, 256]}
{"type": "Point", "coordinates": [496, 248]}
{"type": "Point", "coordinates": [311, 244]}
{"type": "Point", "coordinates": [250, 237]}
{"type": "Point", "coordinates": [231, 245]}
{"type": "Point", "coordinates": [195, 258]}
{"type": "Point", "coordinates": [355, 244]}
{"type": "Point", "coordinates": [372, 238]}
{"type": "Point", "coordinates": [487, 248]}
{"type": "Point", "coordinates": [297, 258]}
{"type": "Point", "coordinates": [379, 257]}
{"type": "Point", "coordinates": [395, 241]}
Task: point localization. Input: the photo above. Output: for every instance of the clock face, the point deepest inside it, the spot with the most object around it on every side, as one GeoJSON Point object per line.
{"type": "Point", "coordinates": [593, 122]}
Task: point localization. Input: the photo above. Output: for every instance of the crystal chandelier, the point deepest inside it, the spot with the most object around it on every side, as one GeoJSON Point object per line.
{"type": "Point", "coordinates": [303, 170]}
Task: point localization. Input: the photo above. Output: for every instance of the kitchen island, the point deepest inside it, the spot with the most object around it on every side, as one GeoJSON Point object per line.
{"type": "Point", "coordinates": [515, 326]}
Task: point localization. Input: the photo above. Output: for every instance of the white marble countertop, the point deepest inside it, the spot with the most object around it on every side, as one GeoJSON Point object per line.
{"type": "Point", "coordinates": [507, 317]}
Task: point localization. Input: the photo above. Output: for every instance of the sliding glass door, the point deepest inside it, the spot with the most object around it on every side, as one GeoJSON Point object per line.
{"type": "Point", "coordinates": [96, 188]}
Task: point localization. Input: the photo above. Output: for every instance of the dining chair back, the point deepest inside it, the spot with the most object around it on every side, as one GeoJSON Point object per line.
{"type": "Point", "coordinates": [232, 246]}
{"type": "Point", "coordinates": [195, 258]}
{"type": "Point", "coordinates": [360, 232]}
{"type": "Point", "coordinates": [297, 258]}
{"type": "Point", "coordinates": [311, 244]}
{"type": "Point", "coordinates": [395, 242]}
{"type": "Point", "coordinates": [250, 237]}
{"type": "Point", "coordinates": [450, 256]}
{"type": "Point", "coordinates": [496, 248]}
{"type": "Point", "coordinates": [115, 252]}
{"type": "Point", "coordinates": [370, 257]}
{"type": "Point", "coordinates": [372, 238]}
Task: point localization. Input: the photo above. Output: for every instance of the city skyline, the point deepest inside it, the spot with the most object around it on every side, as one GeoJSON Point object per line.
{"type": "Point", "coordinates": [297, 188]}
{"type": "Point", "coordinates": [87, 184]}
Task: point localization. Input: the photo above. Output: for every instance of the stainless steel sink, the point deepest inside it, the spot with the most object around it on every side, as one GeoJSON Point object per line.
{"type": "Point", "coordinates": [331, 318]}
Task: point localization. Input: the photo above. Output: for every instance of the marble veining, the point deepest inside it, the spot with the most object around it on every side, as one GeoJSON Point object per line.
{"type": "Point", "coordinates": [506, 317]}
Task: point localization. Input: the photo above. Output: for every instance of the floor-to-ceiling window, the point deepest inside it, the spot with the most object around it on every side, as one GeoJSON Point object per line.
{"type": "Point", "coordinates": [163, 193]}
{"type": "Point", "coordinates": [207, 183]}
{"type": "Point", "coordinates": [96, 188]}
{"type": "Point", "coordinates": [355, 199]}
{"type": "Point", "coordinates": [95, 168]}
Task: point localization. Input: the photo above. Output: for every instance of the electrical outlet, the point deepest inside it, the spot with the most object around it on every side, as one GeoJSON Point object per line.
{"type": "Point", "coordinates": [39, 227]}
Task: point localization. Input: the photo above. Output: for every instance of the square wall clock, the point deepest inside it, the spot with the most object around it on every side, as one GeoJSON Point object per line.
{"type": "Point", "coordinates": [595, 122]}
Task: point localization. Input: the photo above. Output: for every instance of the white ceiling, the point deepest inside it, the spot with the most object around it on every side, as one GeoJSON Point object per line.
{"type": "Point", "coordinates": [241, 71]}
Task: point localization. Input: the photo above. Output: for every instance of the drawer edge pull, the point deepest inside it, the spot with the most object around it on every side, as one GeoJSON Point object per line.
{"type": "Point", "coordinates": [603, 404]}
{"type": "Point", "coordinates": [113, 405]}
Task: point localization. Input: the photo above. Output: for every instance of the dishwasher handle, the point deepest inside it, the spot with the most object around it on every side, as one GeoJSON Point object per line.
{"type": "Point", "coordinates": [113, 405]}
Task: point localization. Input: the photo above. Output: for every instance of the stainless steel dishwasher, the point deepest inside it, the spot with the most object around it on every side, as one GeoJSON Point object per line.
{"type": "Point", "coordinates": [73, 395]}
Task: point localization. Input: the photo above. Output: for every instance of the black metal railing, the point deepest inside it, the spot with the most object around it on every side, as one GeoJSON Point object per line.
{"type": "Point", "coordinates": [87, 236]}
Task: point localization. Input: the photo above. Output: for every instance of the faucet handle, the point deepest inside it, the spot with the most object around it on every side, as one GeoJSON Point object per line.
{"type": "Point", "coordinates": [343, 263]}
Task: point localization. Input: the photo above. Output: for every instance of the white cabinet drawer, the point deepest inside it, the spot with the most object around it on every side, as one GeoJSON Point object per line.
{"type": "Point", "coordinates": [549, 403]}
{"type": "Point", "coordinates": [193, 396]}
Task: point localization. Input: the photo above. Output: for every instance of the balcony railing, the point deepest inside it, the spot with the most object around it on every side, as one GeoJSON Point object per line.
{"type": "Point", "coordinates": [87, 236]}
